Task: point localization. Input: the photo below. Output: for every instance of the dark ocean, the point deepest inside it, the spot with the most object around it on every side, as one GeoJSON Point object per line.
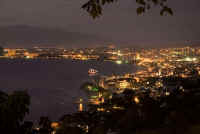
{"type": "Point", "coordinates": [54, 85]}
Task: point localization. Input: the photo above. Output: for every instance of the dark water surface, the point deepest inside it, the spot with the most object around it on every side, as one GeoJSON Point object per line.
{"type": "Point", "coordinates": [54, 85]}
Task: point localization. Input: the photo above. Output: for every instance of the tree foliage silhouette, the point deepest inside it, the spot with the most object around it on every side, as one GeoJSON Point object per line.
{"type": "Point", "coordinates": [95, 7]}
{"type": "Point", "coordinates": [13, 108]}
{"type": "Point", "coordinates": [1, 51]}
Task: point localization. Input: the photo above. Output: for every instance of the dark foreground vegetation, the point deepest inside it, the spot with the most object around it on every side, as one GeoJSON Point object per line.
{"type": "Point", "coordinates": [125, 113]}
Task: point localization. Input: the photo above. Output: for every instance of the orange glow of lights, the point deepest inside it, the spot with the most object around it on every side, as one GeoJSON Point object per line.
{"type": "Point", "coordinates": [54, 125]}
{"type": "Point", "coordinates": [80, 107]}
{"type": "Point", "coordinates": [136, 99]}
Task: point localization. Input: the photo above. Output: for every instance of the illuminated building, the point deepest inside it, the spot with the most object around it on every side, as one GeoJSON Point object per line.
{"type": "Point", "coordinates": [123, 84]}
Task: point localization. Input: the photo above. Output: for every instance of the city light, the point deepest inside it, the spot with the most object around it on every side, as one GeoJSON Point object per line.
{"type": "Point", "coordinates": [136, 100]}
{"type": "Point", "coordinates": [95, 89]}
{"type": "Point", "coordinates": [119, 62]}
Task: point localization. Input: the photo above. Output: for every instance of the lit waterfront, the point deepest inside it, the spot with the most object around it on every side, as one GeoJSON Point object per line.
{"type": "Point", "coordinates": [62, 72]}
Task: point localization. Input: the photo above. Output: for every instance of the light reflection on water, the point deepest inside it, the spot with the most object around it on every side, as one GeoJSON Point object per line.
{"type": "Point", "coordinates": [54, 85]}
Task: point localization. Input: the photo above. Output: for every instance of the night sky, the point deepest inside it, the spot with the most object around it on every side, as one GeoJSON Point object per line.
{"type": "Point", "coordinates": [119, 24]}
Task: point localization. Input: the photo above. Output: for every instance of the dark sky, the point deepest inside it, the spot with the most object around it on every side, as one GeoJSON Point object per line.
{"type": "Point", "coordinates": [119, 22]}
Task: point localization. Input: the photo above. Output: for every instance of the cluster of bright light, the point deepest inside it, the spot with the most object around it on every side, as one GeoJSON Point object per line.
{"type": "Point", "coordinates": [124, 84]}
{"type": "Point", "coordinates": [119, 62]}
{"type": "Point", "coordinates": [190, 59]}
{"type": "Point", "coordinates": [136, 100]}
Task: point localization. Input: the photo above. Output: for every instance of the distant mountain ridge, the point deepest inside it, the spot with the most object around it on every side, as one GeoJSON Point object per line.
{"type": "Point", "coordinates": [32, 35]}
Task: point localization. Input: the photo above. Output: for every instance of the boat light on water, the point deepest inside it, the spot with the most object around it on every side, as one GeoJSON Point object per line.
{"type": "Point", "coordinates": [92, 71]}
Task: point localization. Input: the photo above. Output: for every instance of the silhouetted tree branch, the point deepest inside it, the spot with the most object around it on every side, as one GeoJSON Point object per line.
{"type": "Point", "coordinates": [1, 51]}
{"type": "Point", "coordinates": [95, 7]}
